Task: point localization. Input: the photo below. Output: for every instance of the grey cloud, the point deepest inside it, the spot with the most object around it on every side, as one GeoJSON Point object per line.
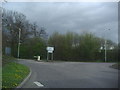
{"type": "Point", "coordinates": [76, 17]}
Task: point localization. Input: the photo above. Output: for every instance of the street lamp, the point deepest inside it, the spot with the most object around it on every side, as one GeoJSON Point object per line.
{"type": "Point", "coordinates": [18, 54]}
{"type": "Point", "coordinates": [105, 47]}
{"type": "Point", "coordinates": [19, 43]}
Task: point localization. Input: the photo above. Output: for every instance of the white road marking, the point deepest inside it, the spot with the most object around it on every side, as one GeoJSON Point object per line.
{"type": "Point", "coordinates": [39, 84]}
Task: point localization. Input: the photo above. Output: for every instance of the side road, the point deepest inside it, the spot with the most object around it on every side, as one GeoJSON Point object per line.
{"type": "Point", "coordinates": [70, 75]}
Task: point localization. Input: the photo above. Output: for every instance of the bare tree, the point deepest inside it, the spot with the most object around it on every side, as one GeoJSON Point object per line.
{"type": "Point", "coordinates": [12, 21]}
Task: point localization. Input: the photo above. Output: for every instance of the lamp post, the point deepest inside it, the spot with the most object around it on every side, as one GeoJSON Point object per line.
{"type": "Point", "coordinates": [19, 43]}
{"type": "Point", "coordinates": [18, 54]}
{"type": "Point", "coordinates": [105, 48]}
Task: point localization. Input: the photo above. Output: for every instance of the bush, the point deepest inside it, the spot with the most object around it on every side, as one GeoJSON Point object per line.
{"type": "Point", "coordinates": [33, 47]}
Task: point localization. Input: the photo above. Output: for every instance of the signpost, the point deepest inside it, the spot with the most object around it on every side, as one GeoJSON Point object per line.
{"type": "Point", "coordinates": [7, 50]}
{"type": "Point", "coordinates": [50, 50]}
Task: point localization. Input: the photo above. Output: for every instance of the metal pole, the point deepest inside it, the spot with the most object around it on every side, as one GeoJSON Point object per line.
{"type": "Point", "coordinates": [18, 49]}
{"type": "Point", "coordinates": [105, 50]}
{"type": "Point", "coordinates": [47, 55]}
{"type": "Point", "coordinates": [19, 43]}
{"type": "Point", "coordinates": [52, 56]}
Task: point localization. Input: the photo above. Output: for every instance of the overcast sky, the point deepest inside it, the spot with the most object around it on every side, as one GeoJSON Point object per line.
{"type": "Point", "coordinates": [95, 17]}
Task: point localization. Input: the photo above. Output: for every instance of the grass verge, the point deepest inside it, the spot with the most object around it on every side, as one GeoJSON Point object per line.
{"type": "Point", "coordinates": [116, 66]}
{"type": "Point", "coordinates": [13, 74]}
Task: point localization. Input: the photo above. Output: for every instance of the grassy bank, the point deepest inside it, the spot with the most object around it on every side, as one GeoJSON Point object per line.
{"type": "Point", "coordinates": [13, 74]}
{"type": "Point", "coordinates": [116, 66]}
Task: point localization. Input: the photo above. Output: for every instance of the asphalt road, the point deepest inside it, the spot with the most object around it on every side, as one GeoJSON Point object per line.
{"type": "Point", "coordinates": [71, 75]}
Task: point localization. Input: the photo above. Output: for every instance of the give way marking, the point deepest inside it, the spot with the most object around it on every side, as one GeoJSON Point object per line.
{"type": "Point", "coordinates": [38, 84]}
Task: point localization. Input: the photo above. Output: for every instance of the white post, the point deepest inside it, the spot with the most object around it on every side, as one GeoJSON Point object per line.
{"type": "Point", "coordinates": [19, 43]}
{"type": "Point", "coordinates": [106, 48]}
{"type": "Point", "coordinates": [38, 58]}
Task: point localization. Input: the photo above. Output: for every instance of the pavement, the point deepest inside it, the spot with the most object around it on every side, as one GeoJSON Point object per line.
{"type": "Point", "coordinates": [70, 75]}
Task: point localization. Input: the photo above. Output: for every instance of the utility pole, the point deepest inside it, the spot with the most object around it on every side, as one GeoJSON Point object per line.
{"type": "Point", "coordinates": [19, 43]}
{"type": "Point", "coordinates": [106, 48]}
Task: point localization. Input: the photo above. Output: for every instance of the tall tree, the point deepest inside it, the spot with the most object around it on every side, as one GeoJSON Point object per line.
{"type": "Point", "coordinates": [12, 22]}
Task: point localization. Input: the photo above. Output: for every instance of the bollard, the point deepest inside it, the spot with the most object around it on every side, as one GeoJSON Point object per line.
{"type": "Point", "coordinates": [38, 58]}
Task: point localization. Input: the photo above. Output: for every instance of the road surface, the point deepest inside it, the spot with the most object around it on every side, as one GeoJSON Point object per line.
{"type": "Point", "coordinates": [70, 75]}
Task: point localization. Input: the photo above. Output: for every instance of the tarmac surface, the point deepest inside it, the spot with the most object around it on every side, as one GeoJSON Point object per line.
{"type": "Point", "coordinates": [70, 75]}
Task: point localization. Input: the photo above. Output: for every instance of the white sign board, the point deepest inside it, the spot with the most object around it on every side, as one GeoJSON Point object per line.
{"type": "Point", "coordinates": [50, 49]}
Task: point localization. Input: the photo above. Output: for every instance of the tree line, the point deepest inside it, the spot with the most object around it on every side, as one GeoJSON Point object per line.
{"type": "Point", "coordinates": [34, 40]}
{"type": "Point", "coordinates": [84, 47]}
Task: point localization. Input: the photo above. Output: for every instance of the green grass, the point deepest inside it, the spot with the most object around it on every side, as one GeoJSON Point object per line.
{"type": "Point", "coordinates": [13, 74]}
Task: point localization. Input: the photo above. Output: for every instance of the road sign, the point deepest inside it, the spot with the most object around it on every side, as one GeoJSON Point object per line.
{"type": "Point", "coordinates": [50, 49]}
{"type": "Point", "coordinates": [7, 50]}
